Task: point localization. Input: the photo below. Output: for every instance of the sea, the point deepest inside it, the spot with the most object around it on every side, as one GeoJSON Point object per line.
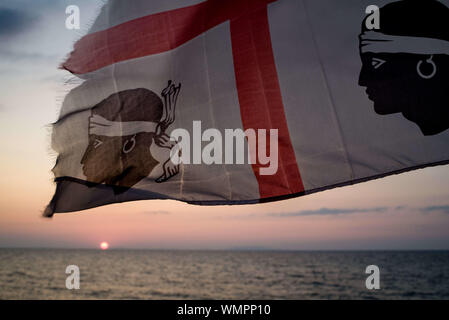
{"type": "Point", "coordinates": [170, 274]}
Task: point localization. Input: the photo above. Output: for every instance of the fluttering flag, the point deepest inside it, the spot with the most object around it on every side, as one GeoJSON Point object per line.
{"type": "Point", "coordinates": [247, 101]}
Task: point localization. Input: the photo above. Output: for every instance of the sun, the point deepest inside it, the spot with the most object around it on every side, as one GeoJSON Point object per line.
{"type": "Point", "coordinates": [104, 245]}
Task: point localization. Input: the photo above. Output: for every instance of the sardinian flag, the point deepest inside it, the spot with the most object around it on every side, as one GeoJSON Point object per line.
{"type": "Point", "coordinates": [247, 101]}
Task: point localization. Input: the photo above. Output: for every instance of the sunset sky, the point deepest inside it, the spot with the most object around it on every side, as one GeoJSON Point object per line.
{"type": "Point", "coordinates": [408, 211]}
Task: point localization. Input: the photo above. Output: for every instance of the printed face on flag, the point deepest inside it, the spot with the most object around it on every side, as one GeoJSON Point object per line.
{"type": "Point", "coordinates": [405, 65]}
{"type": "Point", "coordinates": [127, 139]}
{"type": "Point", "coordinates": [331, 105]}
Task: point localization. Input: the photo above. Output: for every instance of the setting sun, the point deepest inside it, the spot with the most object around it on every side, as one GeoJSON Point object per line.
{"type": "Point", "coordinates": [104, 245]}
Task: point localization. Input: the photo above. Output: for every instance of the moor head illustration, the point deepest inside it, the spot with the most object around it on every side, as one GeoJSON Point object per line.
{"type": "Point", "coordinates": [127, 139]}
{"type": "Point", "coordinates": [406, 63]}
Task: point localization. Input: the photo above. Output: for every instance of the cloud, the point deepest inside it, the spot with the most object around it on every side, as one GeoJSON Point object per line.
{"type": "Point", "coordinates": [327, 212]}
{"type": "Point", "coordinates": [28, 56]}
{"type": "Point", "coordinates": [306, 213]}
{"type": "Point", "coordinates": [444, 209]}
{"type": "Point", "coordinates": [14, 21]}
{"type": "Point", "coordinates": [156, 212]}
{"type": "Point", "coordinates": [15, 56]}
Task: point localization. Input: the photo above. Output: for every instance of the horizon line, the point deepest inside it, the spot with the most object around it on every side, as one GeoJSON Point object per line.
{"type": "Point", "coordinates": [223, 250]}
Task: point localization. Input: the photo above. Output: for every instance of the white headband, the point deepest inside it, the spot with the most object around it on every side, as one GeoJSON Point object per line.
{"type": "Point", "coordinates": [102, 127]}
{"type": "Point", "coordinates": [377, 42]}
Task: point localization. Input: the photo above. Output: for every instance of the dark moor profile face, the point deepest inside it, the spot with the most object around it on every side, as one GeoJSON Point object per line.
{"type": "Point", "coordinates": [415, 85]}
{"type": "Point", "coordinates": [122, 161]}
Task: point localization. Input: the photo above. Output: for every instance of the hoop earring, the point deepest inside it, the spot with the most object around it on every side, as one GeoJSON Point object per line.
{"type": "Point", "coordinates": [429, 61]}
{"type": "Point", "coordinates": [128, 150]}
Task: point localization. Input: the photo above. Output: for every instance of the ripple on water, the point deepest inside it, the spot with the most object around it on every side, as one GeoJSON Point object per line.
{"type": "Point", "coordinates": [139, 274]}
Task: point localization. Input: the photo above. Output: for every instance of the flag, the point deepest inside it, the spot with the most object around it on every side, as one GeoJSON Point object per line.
{"type": "Point", "coordinates": [245, 101]}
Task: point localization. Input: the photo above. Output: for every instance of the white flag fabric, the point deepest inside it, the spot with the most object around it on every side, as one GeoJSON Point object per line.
{"type": "Point", "coordinates": [324, 100]}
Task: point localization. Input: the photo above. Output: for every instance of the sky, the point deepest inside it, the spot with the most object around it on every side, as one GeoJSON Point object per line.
{"type": "Point", "coordinates": [407, 211]}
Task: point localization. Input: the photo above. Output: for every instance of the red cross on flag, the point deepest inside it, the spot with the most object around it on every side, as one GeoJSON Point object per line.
{"type": "Point", "coordinates": [247, 101]}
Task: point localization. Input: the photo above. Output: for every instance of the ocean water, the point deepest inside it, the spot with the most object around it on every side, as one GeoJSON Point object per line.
{"type": "Point", "coordinates": [145, 274]}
